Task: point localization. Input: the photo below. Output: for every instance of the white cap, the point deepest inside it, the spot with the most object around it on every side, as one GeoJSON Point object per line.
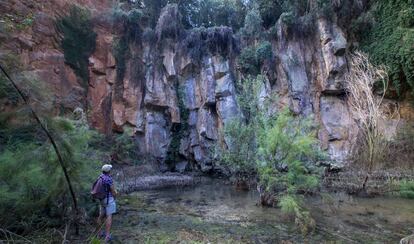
{"type": "Point", "coordinates": [106, 168]}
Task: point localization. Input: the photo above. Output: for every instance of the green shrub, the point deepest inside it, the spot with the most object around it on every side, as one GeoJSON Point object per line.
{"type": "Point", "coordinates": [240, 153]}
{"type": "Point", "coordinates": [286, 144]}
{"type": "Point", "coordinates": [390, 40]}
{"type": "Point", "coordinates": [79, 40]}
{"type": "Point", "coordinates": [247, 97]}
{"type": "Point", "coordinates": [292, 205]}
{"type": "Point", "coordinates": [248, 61]}
{"type": "Point", "coordinates": [252, 57]}
{"type": "Point", "coordinates": [252, 24]}
{"type": "Point", "coordinates": [270, 11]}
{"type": "Point", "coordinates": [407, 189]}
{"type": "Point", "coordinates": [135, 15]}
{"type": "Point", "coordinates": [33, 184]}
{"type": "Point", "coordinates": [264, 51]}
{"type": "Point", "coordinates": [209, 13]}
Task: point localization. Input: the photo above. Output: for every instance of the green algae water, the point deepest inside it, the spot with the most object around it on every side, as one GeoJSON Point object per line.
{"type": "Point", "coordinates": [215, 212]}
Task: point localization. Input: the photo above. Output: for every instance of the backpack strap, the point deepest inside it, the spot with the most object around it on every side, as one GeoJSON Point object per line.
{"type": "Point", "coordinates": [106, 189]}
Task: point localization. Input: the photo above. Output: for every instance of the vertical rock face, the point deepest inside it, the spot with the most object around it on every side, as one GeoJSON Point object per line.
{"type": "Point", "coordinates": [205, 86]}
{"type": "Point", "coordinates": [187, 77]}
{"type": "Point", "coordinates": [312, 68]}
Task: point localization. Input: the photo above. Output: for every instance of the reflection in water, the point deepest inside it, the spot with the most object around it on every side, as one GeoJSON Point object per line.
{"type": "Point", "coordinates": [216, 212]}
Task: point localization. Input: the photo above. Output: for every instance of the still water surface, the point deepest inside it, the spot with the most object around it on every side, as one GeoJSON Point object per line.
{"type": "Point", "coordinates": [215, 212]}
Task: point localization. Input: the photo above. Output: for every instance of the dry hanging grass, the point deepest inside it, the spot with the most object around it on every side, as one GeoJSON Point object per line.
{"type": "Point", "coordinates": [366, 107]}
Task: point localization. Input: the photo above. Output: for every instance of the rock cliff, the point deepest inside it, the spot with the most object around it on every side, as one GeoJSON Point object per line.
{"type": "Point", "coordinates": [176, 90]}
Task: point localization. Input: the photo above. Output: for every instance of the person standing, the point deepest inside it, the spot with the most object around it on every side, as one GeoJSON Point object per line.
{"type": "Point", "coordinates": [107, 205]}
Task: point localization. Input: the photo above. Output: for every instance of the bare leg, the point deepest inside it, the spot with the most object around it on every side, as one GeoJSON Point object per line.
{"type": "Point", "coordinates": [108, 226]}
{"type": "Point", "coordinates": [99, 222]}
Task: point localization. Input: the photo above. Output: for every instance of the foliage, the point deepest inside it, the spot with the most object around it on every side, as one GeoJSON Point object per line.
{"type": "Point", "coordinates": [407, 189]}
{"type": "Point", "coordinates": [129, 18]}
{"type": "Point", "coordinates": [390, 40]}
{"type": "Point", "coordinates": [196, 13]}
{"type": "Point", "coordinates": [270, 11]}
{"type": "Point", "coordinates": [252, 58]}
{"type": "Point", "coordinates": [78, 41]}
{"type": "Point", "coordinates": [121, 148]}
{"type": "Point", "coordinates": [276, 148]}
{"type": "Point", "coordinates": [169, 24]}
{"type": "Point", "coordinates": [240, 151]}
{"type": "Point", "coordinates": [247, 98]}
{"type": "Point", "coordinates": [11, 22]}
{"type": "Point", "coordinates": [292, 205]}
{"type": "Point", "coordinates": [209, 13]}
{"type": "Point", "coordinates": [401, 148]}
{"type": "Point", "coordinates": [252, 24]}
{"type": "Point", "coordinates": [240, 154]}
{"type": "Point", "coordinates": [248, 61]}
{"type": "Point", "coordinates": [264, 51]}
{"type": "Point", "coordinates": [214, 40]}
{"type": "Point", "coordinates": [178, 131]}
{"type": "Point", "coordinates": [285, 144]}
{"type": "Point", "coordinates": [33, 181]}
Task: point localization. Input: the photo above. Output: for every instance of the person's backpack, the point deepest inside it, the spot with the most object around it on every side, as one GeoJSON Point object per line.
{"type": "Point", "coordinates": [99, 190]}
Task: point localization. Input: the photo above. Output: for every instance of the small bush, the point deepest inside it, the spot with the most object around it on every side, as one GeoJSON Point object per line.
{"type": "Point", "coordinates": [135, 15]}
{"type": "Point", "coordinates": [292, 205]}
{"type": "Point", "coordinates": [285, 144]}
{"type": "Point", "coordinates": [240, 153]}
{"type": "Point", "coordinates": [407, 189]}
{"type": "Point", "coordinates": [264, 51]}
{"type": "Point", "coordinates": [248, 61]}
{"type": "Point", "coordinates": [252, 58]}
{"type": "Point", "coordinates": [33, 184]}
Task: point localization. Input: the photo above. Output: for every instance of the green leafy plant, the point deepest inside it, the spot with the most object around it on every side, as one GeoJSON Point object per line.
{"type": "Point", "coordinates": [286, 144]}
{"type": "Point", "coordinates": [32, 177]}
{"type": "Point", "coordinates": [178, 131]}
{"type": "Point", "coordinates": [79, 40]}
{"type": "Point", "coordinates": [252, 24]}
{"type": "Point", "coordinates": [407, 189]}
{"type": "Point", "coordinates": [292, 205]}
{"type": "Point", "coordinates": [240, 151]}
{"type": "Point", "coordinates": [252, 58]}
{"type": "Point", "coordinates": [264, 51]}
{"type": "Point", "coordinates": [390, 41]}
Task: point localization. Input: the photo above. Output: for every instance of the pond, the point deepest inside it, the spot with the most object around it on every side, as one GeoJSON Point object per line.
{"type": "Point", "coordinates": [215, 212]}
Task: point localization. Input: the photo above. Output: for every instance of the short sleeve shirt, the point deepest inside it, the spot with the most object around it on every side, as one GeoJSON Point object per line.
{"type": "Point", "coordinates": [108, 182]}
